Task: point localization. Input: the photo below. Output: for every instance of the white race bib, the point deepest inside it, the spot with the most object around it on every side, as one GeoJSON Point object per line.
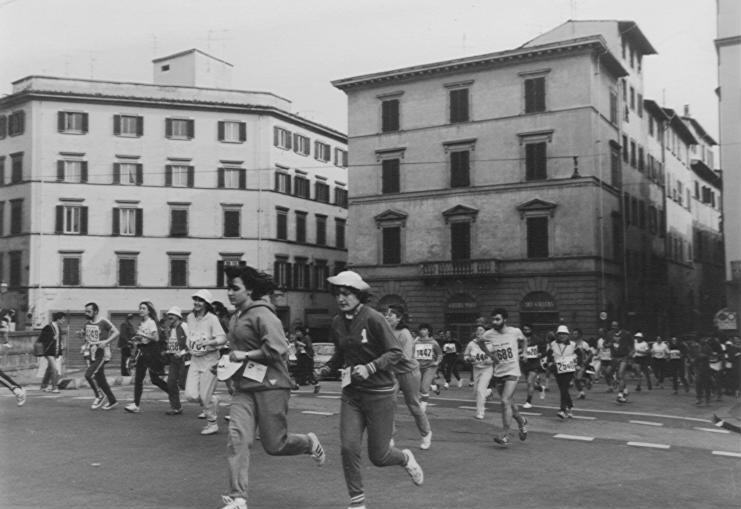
{"type": "Point", "coordinates": [423, 352]}
{"type": "Point", "coordinates": [345, 378]}
{"type": "Point", "coordinates": [531, 352]}
{"type": "Point", "coordinates": [255, 371]}
{"type": "Point", "coordinates": [566, 364]}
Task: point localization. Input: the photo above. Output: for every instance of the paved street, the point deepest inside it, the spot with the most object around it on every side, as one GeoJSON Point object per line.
{"type": "Point", "coordinates": [659, 450]}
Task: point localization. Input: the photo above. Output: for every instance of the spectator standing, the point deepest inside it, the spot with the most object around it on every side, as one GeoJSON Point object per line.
{"type": "Point", "coordinates": [127, 332]}
{"type": "Point", "coordinates": [51, 338]}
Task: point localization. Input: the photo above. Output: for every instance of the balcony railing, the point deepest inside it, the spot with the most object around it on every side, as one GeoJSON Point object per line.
{"type": "Point", "coordinates": [459, 268]}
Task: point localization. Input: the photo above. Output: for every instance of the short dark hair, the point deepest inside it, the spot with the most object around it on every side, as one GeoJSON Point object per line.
{"type": "Point", "coordinates": [93, 305]}
{"type": "Point", "coordinates": [500, 311]}
{"type": "Point", "coordinates": [56, 316]}
{"type": "Point", "coordinates": [399, 311]}
{"type": "Point", "coordinates": [425, 326]}
{"type": "Point", "coordinates": [258, 282]}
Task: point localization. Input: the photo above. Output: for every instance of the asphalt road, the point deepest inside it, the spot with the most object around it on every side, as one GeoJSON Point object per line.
{"type": "Point", "coordinates": [657, 451]}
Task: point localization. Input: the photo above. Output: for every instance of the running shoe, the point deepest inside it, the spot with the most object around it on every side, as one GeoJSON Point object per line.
{"type": "Point", "coordinates": [20, 395]}
{"type": "Point", "coordinates": [317, 451]}
{"type": "Point", "coordinates": [479, 417]}
{"type": "Point", "coordinates": [392, 443]}
{"type": "Point", "coordinates": [621, 399]}
{"type": "Point", "coordinates": [233, 503]}
{"type": "Point", "coordinates": [202, 415]}
{"type": "Point", "coordinates": [109, 406]}
{"type": "Point", "coordinates": [569, 414]}
{"type": "Point", "coordinates": [581, 395]}
{"type": "Point", "coordinates": [174, 411]}
{"type": "Point", "coordinates": [523, 429]}
{"type": "Point", "coordinates": [426, 441]}
{"type": "Point", "coordinates": [561, 415]}
{"type": "Point", "coordinates": [132, 408]}
{"type": "Point", "coordinates": [446, 385]}
{"type": "Point", "coordinates": [527, 404]}
{"type": "Point", "coordinates": [460, 383]}
{"type": "Point", "coordinates": [211, 428]}
{"type": "Point", "coordinates": [46, 389]}
{"type": "Point", "coordinates": [97, 403]}
{"type": "Point", "coordinates": [502, 440]}
{"type": "Point", "coordinates": [317, 388]}
{"type": "Point", "coordinates": [55, 390]}
{"type": "Point", "coordinates": [413, 468]}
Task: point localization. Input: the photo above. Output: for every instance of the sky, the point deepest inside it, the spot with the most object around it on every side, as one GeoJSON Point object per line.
{"type": "Point", "coordinates": [295, 48]}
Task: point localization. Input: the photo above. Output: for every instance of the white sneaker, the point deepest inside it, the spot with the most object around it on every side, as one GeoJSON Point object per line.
{"type": "Point", "coordinates": [233, 503]}
{"type": "Point", "coordinates": [392, 444]}
{"type": "Point", "coordinates": [426, 441]}
{"type": "Point", "coordinates": [132, 408]}
{"type": "Point", "coordinates": [210, 429]}
{"type": "Point", "coordinates": [527, 404]}
{"type": "Point", "coordinates": [413, 468]}
{"type": "Point", "coordinates": [97, 403]}
{"type": "Point", "coordinates": [202, 415]}
{"type": "Point", "coordinates": [20, 395]}
{"type": "Point", "coordinates": [317, 451]}
{"type": "Point", "coordinates": [423, 406]}
{"type": "Point", "coordinates": [460, 383]}
{"type": "Point", "coordinates": [446, 385]}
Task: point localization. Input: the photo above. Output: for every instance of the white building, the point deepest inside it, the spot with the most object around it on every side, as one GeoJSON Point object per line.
{"type": "Point", "coordinates": [119, 192]}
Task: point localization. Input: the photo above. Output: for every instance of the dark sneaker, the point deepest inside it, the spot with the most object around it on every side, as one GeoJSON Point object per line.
{"type": "Point", "coordinates": [97, 403]}
{"type": "Point", "coordinates": [109, 406]}
{"type": "Point", "coordinates": [561, 415]}
{"type": "Point", "coordinates": [502, 440]}
{"type": "Point", "coordinates": [523, 429]}
{"type": "Point", "coordinates": [174, 411]}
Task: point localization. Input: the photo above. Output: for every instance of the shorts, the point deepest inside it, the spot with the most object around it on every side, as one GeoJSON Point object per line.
{"type": "Point", "coordinates": [499, 380]}
{"type": "Point", "coordinates": [531, 365]}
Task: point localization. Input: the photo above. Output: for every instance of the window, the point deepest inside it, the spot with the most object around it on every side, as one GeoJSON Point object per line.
{"type": "Point", "coordinates": [633, 154]}
{"type": "Point", "coordinates": [390, 115]}
{"type": "Point", "coordinates": [178, 222]}
{"type": "Point", "coordinates": [232, 222]}
{"type": "Point", "coordinates": [282, 182]}
{"type": "Point", "coordinates": [391, 247]}
{"type": "Point", "coordinates": [535, 161]}
{"type": "Point", "coordinates": [340, 197]}
{"type": "Point", "coordinates": [639, 106]}
{"type": "Point", "coordinates": [459, 168]}
{"type": "Point", "coordinates": [459, 105]}
{"type": "Point", "coordinates": [339, 233]}
{"type": "Point", "coordinates": [537, 237]}
{"type": "Point", "coordinates": [321, 230]}
{"type": "Point", "coordinates": [16, 123]}
{"type": "Point", "coordinates": [322, 151]}
{"type": "Point", "coordinates": [301, 187]}
{"type": "Point", "coordinates": [460, 240]}
{"type": "Point", "coordinates": [179, 175]}
{"type": "Point", "coordinates": [301, 144]}
{"type": "Point", "coordinates": [641, 162]}
{"type": "Point", "coordinates": [281, 221]}
{"type": "Point", "coordinates": [126, 273]}
{"type": "Point", "coordinates": [128, 174]}
{"type": "Point", "coordinates": [70, 170]}
{"type": "Point", "coordinates": [340, 157]}
{"type": "Point", "coordinates": [128, 221]}
{"type": "Point", "coordinates": [2, 170]}
{"type": "Point", "coordinates": [232, 131]}
{"type": "Point", "coordinates": [234, 260]}
{"type": "Point", "coordinates": [390, 176]}
{"type": "Point", "coordinates": [282, 138]}
{"type": "Point", "coordinates": [15, 260]}
{"type": "Point", "coordinates": [128, 125]}
{"type": "Point", "coordinates": [321, 273]}
{"type": "Point", "coordinates": [339, 267]}
{"type": "Point", "coordinates": [3, 127]}
{"type": "Point", "coordinates": [231, 178]}
{"type": "Point", "coordinates": [535, 95]}
{"type": "Point", "coordinates": [301, 274]}
{"type": "Point", "coordinates": [179, 128]}
{"type": "Point", "coordinates": [16, 167]}
{"type": "Point", "coordinates": [300, 226]}
{"type": "Point", "coordinates": [71, 220]}
{"type": "Point", "coordinates": [72, 122]}
{"type": "Point", "coordinates": [179, 269]}
{"type": "Point", "coordinates": [626, 209]}
{"type": "Point", "coordinates": [71, 264]}
{"type": "Point", "coordinates": [282, 272]}
{"type": "Point", "coordinates": [16, 216]}
{"type": "Point", "coordinates": [321, 192]}
{"type": "Point", "coordinates": [613, 107]}
{"type": "Point", "coordinates": [632, 98]}
{"type": "Point", "coordinates": [642, 214]}
{"type": "Point", "coordinates": [2, 226]}
{"type": "Point", "coordinates": [615, 166]}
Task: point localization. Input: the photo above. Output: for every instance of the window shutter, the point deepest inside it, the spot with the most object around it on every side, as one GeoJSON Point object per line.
{"type": "Point", "coordinates": [60, 121]}
{"type": "Point", "coordinates": [219, 273]}
{"type": "Point", "coordinates": [295, 140]}
{"type": "Point", "coordinates": [168, 127]}
{"type": "Point", "coordinates": [139, 222]}
{"type": "Point", "coordinates": [21, 121]}
{"type": "Point", "coordinates": [220, 130]}
{"type": "Point", "coordinates": [116, 125]}
{"type": "Point", "coordinates": [139, 126]}
{"type": "Point", "coordinates": [116, 173]}
{"type": "Point", "coordinates": [276, 136]}
{"type": "Point", "coordinates": [83, 171]}
{"type": "Point", "coordinates": [59, 223]}
{"type": "Point", "coordinates": [191, 176]}
{"type": "Point", "coordinates": [83, 220]}
{"type": "Point", "coordinates": [116, 227]}
{"type": "Point", "coordinates": [139, 174]}
{"type": "Point", "coordinates": [288, 140]}
{"type": "Point", "coordinates": [277, 181]}
{"type": "Point", "coordinates": [220, 178]}
{"type": "Point", "coordinates": [60, 171]}
{"type": "Point", "coordinates": [289, 273]}
{"type": "Point", "coordinates": [168, 175]}
{"type": "Point", "coordinates": [276, 267]}
{"type": "Point", "coordinates": [3, 126]}
{"type": "Point", "coordinates": [84, 122]}
{"type": "Point", "coordinates": [243, 179]}
{"type": "Point", "coordinates": [242, 131]}
{"type": "Point", "coordinates": [191, 128]}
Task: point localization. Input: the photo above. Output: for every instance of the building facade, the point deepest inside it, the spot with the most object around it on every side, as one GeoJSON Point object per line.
{"type": "Point", "coordinates": [524, 179]}
{"type": "Point", "coordinates": [122, 192]}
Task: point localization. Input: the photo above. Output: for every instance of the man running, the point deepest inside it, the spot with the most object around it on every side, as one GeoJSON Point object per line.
{"type": "Point", "coordinates": [99, 333]}
{"type": "Point", "coordinates": [503, 341]}
{"type": "Point", "coordinates": [531, 365]}
{"type": "Point", "coordinates": [621, 349]}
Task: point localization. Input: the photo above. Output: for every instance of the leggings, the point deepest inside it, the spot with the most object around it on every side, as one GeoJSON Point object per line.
{"type": "Point", "coordinates": [563, 380]}
{"type": "Point", "coordinates": [95, 376]}
{"type": "Point", "coordinates": [427, 375]}
{"type": "Point", "coordinates": [449, 366]}
{"type": "Point", "coordinates": [8, 382]}
{"type": "Point", "coordinates": [148, 360]}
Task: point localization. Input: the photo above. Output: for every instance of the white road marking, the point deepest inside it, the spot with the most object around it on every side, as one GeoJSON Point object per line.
{"type": "Point", "coordinates": [530, 413]}
{"type": "Point", "coordinates": [574, 437]}
{"type": "Point", "coordinates": [467, 407]}
{"type": "Point", "coordinates": [84, 397]}
{"type": "Point", "coordinates": [314, 412]}
{"type": "Point", "coordinates": [584, 417]}
{"type": "Point", "coordinates": [713, 430]}
{"type": "Point", "coordinates": [328, 397]}
{"type": "Point", "coordinates": [649, 445]}
{"type": "Point", "coordinates": [646, 423]}
{"type": "Point", "coordinates": [726, 453]}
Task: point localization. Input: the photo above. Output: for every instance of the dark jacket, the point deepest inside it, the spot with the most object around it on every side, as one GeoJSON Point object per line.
{"type": "Point", "coordinates": [52, 343]}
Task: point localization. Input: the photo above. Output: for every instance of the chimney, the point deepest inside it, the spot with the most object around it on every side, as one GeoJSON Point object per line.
{"type": "Point", "coordinates": [686, 110]}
